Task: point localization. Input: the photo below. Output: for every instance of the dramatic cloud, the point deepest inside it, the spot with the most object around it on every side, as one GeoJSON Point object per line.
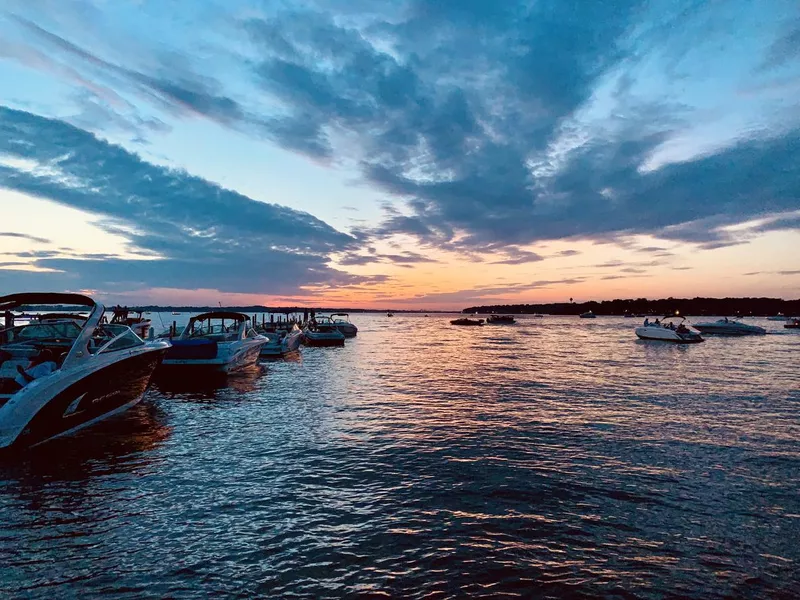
{"type": "Point", "coordinates": [201, 234]}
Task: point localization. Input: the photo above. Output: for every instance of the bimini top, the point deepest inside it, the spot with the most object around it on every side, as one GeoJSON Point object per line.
{"type": "Point", "coordinates": [47, 298]}
{"type": "Point", "coordinates": [221, 314]}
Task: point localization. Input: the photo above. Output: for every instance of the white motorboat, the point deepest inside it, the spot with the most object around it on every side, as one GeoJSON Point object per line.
{"type": "Point", "coordinates": [726, 326]}
{"type": "Point", "coordinates": [282, 341]}
{"type": "Point", "coordinates": [588, 315]}
{"type": "Point", "coordinates": [322, 331]}
{"type": "Point", "coordinates": [343, 324]}
{"type": "Point", "coordinates": [667, 331]}
{"type": "Point", "coordinates": [216, 342]}
{"type": "Point", "coordinates": [60, 375]}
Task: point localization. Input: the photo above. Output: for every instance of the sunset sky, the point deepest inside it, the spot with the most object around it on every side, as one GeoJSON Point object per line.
{"type": "Point", "coordinates": [418, 153]}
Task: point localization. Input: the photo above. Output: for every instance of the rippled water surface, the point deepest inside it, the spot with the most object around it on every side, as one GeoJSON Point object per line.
{"type": "Point", "coordinates": [557, 457]}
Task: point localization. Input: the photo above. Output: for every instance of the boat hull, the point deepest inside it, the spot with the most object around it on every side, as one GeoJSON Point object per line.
{"type": "Point", "coordinates": [710, 328]}
{"type": "Point", "coordinates": [662, 334]}
{"type": "Point", "coordinates": [323, 342]}
{"type": "Point", "coordinates": [223, 363]}
{"type": "Point", "coordinates": [78, 400]}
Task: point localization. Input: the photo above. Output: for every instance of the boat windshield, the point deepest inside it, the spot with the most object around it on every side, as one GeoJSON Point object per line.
{"type": "Point", "coordinates": [112, 337]}
{"type": "Point", "coordinates": [40, 332]}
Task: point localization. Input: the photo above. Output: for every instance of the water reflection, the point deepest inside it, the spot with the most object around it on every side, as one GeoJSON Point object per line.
{"type": "Point", "coordinates": [554, 457]}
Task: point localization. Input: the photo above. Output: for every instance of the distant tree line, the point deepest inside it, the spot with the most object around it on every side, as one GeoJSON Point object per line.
{"type": "Point", "coordinates": [643, 306]}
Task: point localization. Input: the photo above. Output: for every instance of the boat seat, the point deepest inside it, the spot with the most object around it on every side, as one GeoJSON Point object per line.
{"type": "Point", "coordinates": [8, 370]}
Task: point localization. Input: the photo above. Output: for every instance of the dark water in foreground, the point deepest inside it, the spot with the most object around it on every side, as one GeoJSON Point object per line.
{"type": "Point", "coordinates": [559, 457]}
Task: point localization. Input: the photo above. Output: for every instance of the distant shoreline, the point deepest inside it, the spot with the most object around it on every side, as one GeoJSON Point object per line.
{"type": "Point", "coordinates": [756, 307]}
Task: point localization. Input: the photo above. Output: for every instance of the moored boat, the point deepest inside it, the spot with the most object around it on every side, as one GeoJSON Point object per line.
{"type": "Point", "coordinates": [215, 342]}
{"type": "Point", "coordinates": [467, 322]}
{"type": "Point", "coordinates": [62, 375]}
{"type": "Point", "coordinates": [667, 331]}
{"type": "Point", "coordinates": [501, 320]}
{"type": "Point", "coordinates": [322, 331]}
{"type": "Point", "coordinates": [792, 324]}
{"type": "Point", "coordinates": [726, 326]}
{"type": "Point", "coordinates": [133, 319]}
{"type": "Point", "coordinates": [282, 342]}
{"type": "Point", "coordinates": [343, 324]}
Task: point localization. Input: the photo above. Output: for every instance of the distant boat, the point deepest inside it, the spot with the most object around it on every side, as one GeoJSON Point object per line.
{"type": "Point", "coordinates": [175, 313]}
{"type": "Point", "coordinates": [537, 316]}
{"type": "Point", "coordinates": [778, 317]}
{"type": "Point", "coordinates": [588, 315]}
{"type": "Point", "coordinates": [628, 316]}
{"type": "Point", "coordinates": [729, 327]}
{"type": "Point", "coordinates": [466, 322]}
{"type": "Point", "coordinates": [501, 320]}
{"type": "Point", "coordinates": [389, 314]}
{"type": "Point", "coordinates": [792, 324]}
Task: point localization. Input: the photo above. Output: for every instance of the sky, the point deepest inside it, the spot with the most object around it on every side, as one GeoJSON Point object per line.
{"type": "Point", "coordinates": [429, 154]}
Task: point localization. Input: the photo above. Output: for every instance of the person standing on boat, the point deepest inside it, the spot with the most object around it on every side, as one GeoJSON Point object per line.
{"type": "Point", "coordinates": [42, 364]}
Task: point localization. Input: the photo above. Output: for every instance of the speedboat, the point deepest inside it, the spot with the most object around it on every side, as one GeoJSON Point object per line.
{"type": "Point", "coordinates": [537, 316]}
{"type": "Point", "coordinates": [282, 341]}
{"type": "Point", "coordinates": [501, 320]}
{"type": "Point", "coordinates": [465, 321]}
{"type": "Point", "coordinates": [792, 324]}
{"type": "Point", "coordinates": [343, 324]}
{"type": "Point", "coordinates": [728, 326]}
{"type": "Point", "coordinates": [322, 331]}
{"type": "Point", "coordinates": [668, 332]}
{"type": "Point", "coordinates": [85, 370]}
{"type": "Point", "coordinates": [588, 315]}
{"type": "Point", "coordinates": [133, 319]}
{"type": "Point", "coordinates": [217, 342]}
{"type": "Point", "coordinates": [389, 314]}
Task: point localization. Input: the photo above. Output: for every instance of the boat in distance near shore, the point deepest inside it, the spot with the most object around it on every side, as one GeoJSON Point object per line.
{"type": "Point", "coordinates": [792, 324]}
{"type": "Point", "coordinates": [588, 315]}
{"type": "Point", "coordinates": [58, 376]}
{"type": "Point", "coordinates": [726, 326]}
{"type": "Point", "coordinates": [501, 320]}
{"type": "Point", "coordinates": [468, 322]}
{"type": "Point", "coordinates": [668, 332]}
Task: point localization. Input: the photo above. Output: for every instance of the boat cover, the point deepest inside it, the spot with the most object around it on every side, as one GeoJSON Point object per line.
{"type": "Point", "coordinates": [192, 349]}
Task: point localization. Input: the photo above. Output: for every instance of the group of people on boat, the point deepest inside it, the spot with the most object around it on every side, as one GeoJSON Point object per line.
{"type": "Point", "coordinates": [681, 328]}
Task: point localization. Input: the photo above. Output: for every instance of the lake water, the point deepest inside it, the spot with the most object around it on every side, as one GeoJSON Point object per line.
{"type": "Point", "coordinates": [558, 457]}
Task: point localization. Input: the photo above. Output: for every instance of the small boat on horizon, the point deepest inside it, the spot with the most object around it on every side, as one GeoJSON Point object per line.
{"type": "Point", "coordinates": [537, 316]}
{"type": "Point", "coordinates": [727, 326]}
{"type": "Point", "coordinates": [468, 322]}
{"type": "Point", "coordinates": [389, 314]}
{"type": "Point", "coordinates": [663, 331]}
{"type": "Point", "coordinates": [501, 320]}
{"type": "Point", "coordinates": [587, 315]}
{"type": "Point", "coordinates": [778, 317]}
{"type": "Point", "coordinates": [210, 346]}
{"type": "Point", "coordinates": [792, 324]}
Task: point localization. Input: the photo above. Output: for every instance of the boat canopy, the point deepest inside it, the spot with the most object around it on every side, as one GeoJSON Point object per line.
{"type": "Point", "coordinates": [14, 301]}
{"type": "Point", "coordinates": [220, 314]}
